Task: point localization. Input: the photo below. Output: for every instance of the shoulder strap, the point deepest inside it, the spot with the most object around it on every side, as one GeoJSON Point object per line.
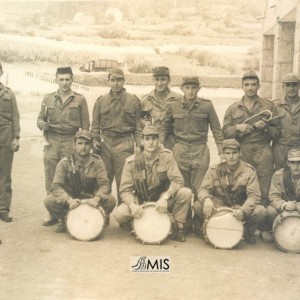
{"type": "Point", "coordinates": [288, 185]}
{"type": "Point", "coordinates": [141, 177]}
{"type": "Point", "coordinates": [75, 178]}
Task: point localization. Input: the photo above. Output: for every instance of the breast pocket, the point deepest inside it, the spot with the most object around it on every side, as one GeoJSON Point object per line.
{"type": "Point", "coordinates": [104, 115]}
{"type": "Point", "coordinates": [74, 113]}
{"type": "Point", "coordinates": [238, 118]}
{"type": "Point", "coordinates": [199, 122]}
{"type": "Point", "coordinates": [179, 122]}
{"type": "Point", "coordinates": [5, 105]}
{"type": "Point", "coordinates": [129, 115]}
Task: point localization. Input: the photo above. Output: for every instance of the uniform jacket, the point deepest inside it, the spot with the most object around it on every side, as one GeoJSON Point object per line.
{"type": "Point", "coordinates": [64, 118]}
{"type": "Point", "coordinates": [164, 165]}
{"type": "Point", "coordinates": [237, 113]}
{"type": "Point", "coordinates": [191, 123]}
{"type": "Point", "coordinates": [117, 117]}
{"type": "Point", "coordinates": [9, 116]}
{"type": "Point", "coordinates": [290, 123]}
{"type": "Point", "coordinates": [93, 177]}
{"type": "Point", "coordinates": [244, 179]}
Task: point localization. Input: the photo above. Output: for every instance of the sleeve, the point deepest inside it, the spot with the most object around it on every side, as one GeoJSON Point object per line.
{"type": "Point", "coordinates": [274, 127]}
{"type": "Point", "coordinates": [127, 187]}
{"type": "Point", "coordinates": [275, 192]}
{"type": "Point", "coordinates": [207, 186]}
{"type": "Point", "coordinates": [175, 177]}
{"type": "Point", "coordinates": [138, 125]}
{"type": "Point", "coordinates": [95, 129]}
{"type": "Point", "coordinates": [15, 117]}
{"type": "Point", "coordinates": [41, 114]}
{"type": "Point", "coordinates": [216, 128]}
{"type": "Point", "coordinates": [166, 124]}
{"type": "Point", "coordinates": [229, 128]}
{"type": "Point", "coordinates": [253, 194]}
{"type": "Point", "coordinates": [84, 115]}
{"type": "Point", "coordinates": [102, 181]}
{"type": "Point", "coordinates": [57, 188]}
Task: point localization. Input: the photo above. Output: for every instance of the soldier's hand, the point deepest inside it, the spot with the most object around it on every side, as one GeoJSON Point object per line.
{"type": "Point", "coordinates": [44, 125]}
{"type": "Point", "coordinates": [260, 124]}
{"type": "Point", "coordinates": [73, 203]}
{"type": "Point", "coordinates": [15, 145]}
{"type": "Point", "coordinates": [290, 205]}
{"type": "Point", "coordinates": [244, 128]}
{"type": "Point", "coordinates": [162, 205]}
{"type": "Point", "coordinates": [238, 214]}
{"type": "Point", "coordinates": [207, 207]}
{"type": "Point", "coordinates": [94, 202]}
{"type": "Point", "coordinates": [136, 210]}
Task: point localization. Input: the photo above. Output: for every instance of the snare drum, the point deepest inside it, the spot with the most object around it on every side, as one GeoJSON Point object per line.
{"type": "Point", "coordinates": [223, 230]}
{"type": "Point", "coordinates": [152, 227]}
{"type": "Point", "coordinates": [85, 223]}
{"type": "Point", "coordinates": [286, 231]}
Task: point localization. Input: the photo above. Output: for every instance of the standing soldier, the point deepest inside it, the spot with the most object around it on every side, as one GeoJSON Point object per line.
{"type": "Point", "coordinates": [289, 112]}
{"type": "Point", "coordinates": [192, 117]}
{"type": "Point", "coordinates": [116, 125]}
{"type": "Point", "coordinates": [254, 140]}
{"type": "Point", "coordinates": [155, 103]}
{"type": "Point", "coordinates": [9, 143]}
{"type": "Point", "coordinates": [62, 114]}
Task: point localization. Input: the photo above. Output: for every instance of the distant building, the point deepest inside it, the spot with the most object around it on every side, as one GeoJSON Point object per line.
{"type": "Point", "coordinates": [113, 13]}
{"type": "Point", "coordinates": [281, 45]}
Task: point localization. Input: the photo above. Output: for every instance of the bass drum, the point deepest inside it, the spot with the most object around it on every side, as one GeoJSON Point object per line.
{"type": "Point", "coordinates": [85, 223]}
{"type": "Point", "coordinates": [286, 231]}
{"type": "Point", "coordinates": [152, 227]}
{"type": "Point", "coordinates": [223, 230]}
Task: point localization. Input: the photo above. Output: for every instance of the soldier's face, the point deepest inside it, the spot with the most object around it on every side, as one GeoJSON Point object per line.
{"type": "Point", "coordinates": [294, 167]}
{"type": "Point", "coordinates": [250, 87]}
{"type": "Point", "coordinates": [190, 91]}
{"type": "Point", "coordinates": [291, 89]}
{"type": "Point", "coordinates": [150, 143]}
{"type": "Point", "coordinates": [82, 147]}
{"type": "Point", "coordinates": [161, 82]}
{"type": "Point", "coordinates": [116, 84]}
{"type": "Point", "coordinates": [232, 156]}
{"type": "Point", "coordinates": [64, 82]}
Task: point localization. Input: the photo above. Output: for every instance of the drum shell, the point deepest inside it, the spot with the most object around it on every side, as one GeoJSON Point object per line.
{"type": "Point", "coordinates": [286, 227]}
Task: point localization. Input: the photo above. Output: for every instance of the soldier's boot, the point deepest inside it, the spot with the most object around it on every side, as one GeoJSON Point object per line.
{"type": "Point", "coordinates": [178, 232]}
{"type": "Point", "coordinates": [126, 226]}
{"type": "Point", "coordinates": [61, 226]}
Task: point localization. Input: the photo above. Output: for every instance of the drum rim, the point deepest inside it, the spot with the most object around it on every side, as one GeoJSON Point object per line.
{"type": "Point", "coordinates": [151, 204]}
{"type": "Point", "coordinates": [228, 210]}
{"type": "Point", "coordinates": [282, 216]}
{"type": "Point", "coordinates": [89, 239]}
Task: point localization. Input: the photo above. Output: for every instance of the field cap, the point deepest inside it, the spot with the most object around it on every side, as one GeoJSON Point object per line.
{"type": "Point", "coordinates": [249, 75]}
{"type": "Point", "coordinates": [231, 143]}
{"type": "Point", "coordinates": [83, 134]}
{"type": "Point", "coordinates": [191, 79]}
{"type": "Point", "coordinates": [161, 71]}
{"type": "Point", "coordinates": [290, 77]}
{"type": "Point", "coordinates": [294, 155]}
{"type": "Point", "coordinates": [65, 70]}
{"type": "Point", "coordinates": [116, 73]}
{"type": "Point", "coordinates": [150, 130]}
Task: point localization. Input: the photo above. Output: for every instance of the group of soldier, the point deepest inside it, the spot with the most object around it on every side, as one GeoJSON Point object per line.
{"type": "Point", "coordinates": [156, 150]}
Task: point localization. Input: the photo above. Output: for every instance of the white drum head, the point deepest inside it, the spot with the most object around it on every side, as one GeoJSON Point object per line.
{"type": "Point", "coordinates": [223, 230]}
{"type": "Point", "coordinates": [153, 227]}
{"type": "Point", "coordinates": [84, 222]}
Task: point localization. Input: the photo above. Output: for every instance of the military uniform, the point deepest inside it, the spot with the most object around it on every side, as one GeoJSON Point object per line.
{"type": "Point", "coordinates": [64, 119]}
{"type": "Point", "coordinates": [255, 147]}
{"type": "Point", "coordinates": [9, 130]}
{"type": "Point", "coordinates": [162, 176]}
{"type": "Point", "coordinates": [116, 122]}
{"type": "Point", "coordinates": [94, 182]}
{"type": "Point", "coordinates": [243, 189]}
{"type": "Point", "coordinates": [154, 110]}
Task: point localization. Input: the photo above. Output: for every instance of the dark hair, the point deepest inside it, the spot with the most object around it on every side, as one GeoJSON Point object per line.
{"type": "Point", "coordinates": [250, 77]}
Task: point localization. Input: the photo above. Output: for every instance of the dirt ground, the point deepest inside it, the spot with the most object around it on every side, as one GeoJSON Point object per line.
{"type": "Point", "coordinates": [37, 263]}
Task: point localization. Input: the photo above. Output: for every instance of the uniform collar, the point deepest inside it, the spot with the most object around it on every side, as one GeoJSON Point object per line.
{"type": "Point", "coordinates": [256, 102]}
{"type": "Point", "coordinates": [71, 96]}
{"type": "Point", "coordinates": [119, 96]}
{"type": "Point", "coordinates": [88, 162]}
{"type": "Point", "coordinates": [185, 103]}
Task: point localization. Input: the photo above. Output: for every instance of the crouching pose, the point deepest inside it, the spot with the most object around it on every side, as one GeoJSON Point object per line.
{"type": "Point", "coordinates": [153, 175]}
{"type": "Point", "coordinates": [234, 184]}
{"type": "Point", "coordinates": [77, 177]}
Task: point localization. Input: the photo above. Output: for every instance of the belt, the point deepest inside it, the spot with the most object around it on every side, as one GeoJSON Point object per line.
{"type": "Point", "coordinates": [185, 142]}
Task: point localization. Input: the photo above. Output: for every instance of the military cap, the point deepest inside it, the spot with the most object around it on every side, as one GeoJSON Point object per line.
{"type": "Point", "coordinates": [161, 70]}
{"type": "Point", "coordinates": [290, 77]}
{"type": "Point", "coordinates": [194, 79]}
{"type": "Point", "coordinates": [294, 155]}
{"type": "Point", "coordinates": [250, 74]}
{"type": "Point", "coordinates": [83, 134]}
{"type": "Point", "coordinates": [116, 73]}
{"type": "Point", "coordinates": [150, 130]}
{"type": "Point", "coordinates": [65, 70]}
{"type": "Point", "coordinates": [231, 143]}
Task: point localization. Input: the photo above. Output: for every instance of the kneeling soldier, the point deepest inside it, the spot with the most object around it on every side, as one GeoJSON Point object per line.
{"type": "Point", "coordinates": [153, 175]}
{"type": "Point", "coordinates": [79, 176]}
{"type": "Point", "coordinates": [234, 184]}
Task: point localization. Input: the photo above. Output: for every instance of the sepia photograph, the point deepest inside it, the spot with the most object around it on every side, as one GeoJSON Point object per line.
{"type": "Point", "coordinates": [149, 149]}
